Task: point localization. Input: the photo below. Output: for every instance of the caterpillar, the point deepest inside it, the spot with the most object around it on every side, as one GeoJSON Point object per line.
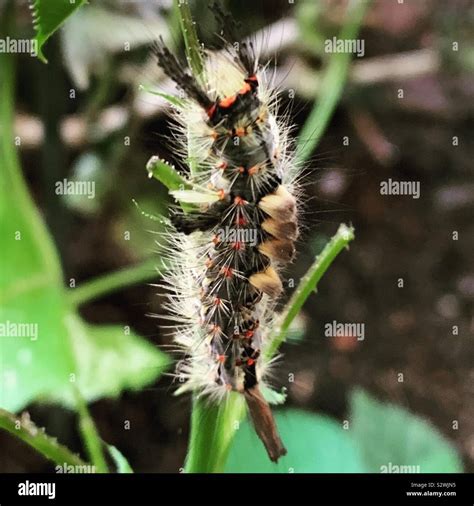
{"type": "Point", "coordinates": [227, 251]}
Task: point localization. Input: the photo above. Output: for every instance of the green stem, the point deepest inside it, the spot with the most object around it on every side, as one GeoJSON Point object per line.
{"type": "Point", "coordinates": [191, 41]}
{"type": "Point", "coordinates": [116, 280]}
{"type": "Point", "coordinates": [332, 85]}
{"type": "Point", "coordinates": [212, 429]}
{"type": "Point", "coordinates": [24, 429]}
{"type": "Point", "coordinates": [90, 435]}
{"type": "Point", "coordinates": [307, 285]}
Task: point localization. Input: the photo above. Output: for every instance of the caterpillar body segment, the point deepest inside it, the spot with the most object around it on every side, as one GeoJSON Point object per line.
{"type": "Point", "coordinates": [226, 256]}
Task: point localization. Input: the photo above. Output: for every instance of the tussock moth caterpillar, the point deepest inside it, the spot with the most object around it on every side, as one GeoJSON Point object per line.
{"type": "Point", "coordinates": [227, 251]}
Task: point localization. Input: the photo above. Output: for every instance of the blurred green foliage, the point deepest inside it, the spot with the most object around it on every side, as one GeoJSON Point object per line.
{"type": "Point", "coordinates": [380, 438]}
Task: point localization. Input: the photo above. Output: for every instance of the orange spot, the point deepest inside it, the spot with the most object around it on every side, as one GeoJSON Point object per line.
{"type": "Point", "coordinates": [249, 334]}
{"type": "Point", "coordinates": [221, 358]}
{"type": "Point", "coordinates": [222, 165]}
{"type": "Point", "coordinates": [241, 170]}
{"type": "Point", "coordinates": [240, 131]}
{"type": "Point", "coordinates": [252, 78]}
{"type": "Point", "coordinates": [221, 194]}
{"type": "Point", "coordinates": [240, 221]}
{"type": "Point", "coordinates": [227, 101]}
{"type": "Point", "coordinates": [253, 170]}
{"type": "Point", "coordinates": [217, 301]}
{"type": "Point", "coordinates": [216, 240]}
{"type": "Point", "coordinates": [214, 135]}
{"type": "Point", "coordinates": [209, 263]}
{"type": "Point", "coordinates": [245, 89]}
{"type": "Point", "coordinates": [250, 361]}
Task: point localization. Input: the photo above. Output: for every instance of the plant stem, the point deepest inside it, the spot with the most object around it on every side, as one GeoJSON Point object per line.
{"type": "Point", "coordinates": [212, 430]}
{"type": "Point", "coordinates": [307, 285]}
{"type": "Point", "coordinates": [116, 280]}
{"type": "Point", "coordinates": [191, 41]}
{"type": "Point", "coordinates": [24, 429]}
{"type": "Point", "coordinates": [332, 84]}
{"type": "Point", "coordinates": [90, 435]}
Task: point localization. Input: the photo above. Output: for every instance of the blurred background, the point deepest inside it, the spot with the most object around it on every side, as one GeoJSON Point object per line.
{"type": "Point", "coordinates": [405, 114]}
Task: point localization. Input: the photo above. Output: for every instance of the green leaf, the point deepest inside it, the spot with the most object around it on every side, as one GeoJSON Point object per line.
{"type": "Point", "coordinates": [44, 344]}
{"type": "Point", "coordinates": [35, 354]}
{"type": "Point", "coordinates": [40, 360]}
{"type": "Point", "coordinates": [390, 436]}
{"type": "Point", "coordinates": [110, 359]}
{"type": "Point", "coordinates": [123, 467]}
{"type": "Point", "coordinates": [315, 444]}
{"type": "Point", "coordinates": [48, 16]}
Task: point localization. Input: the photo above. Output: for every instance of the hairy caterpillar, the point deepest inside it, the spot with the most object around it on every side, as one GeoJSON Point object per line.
{"type": "Point", "coordinates": [228, 249]}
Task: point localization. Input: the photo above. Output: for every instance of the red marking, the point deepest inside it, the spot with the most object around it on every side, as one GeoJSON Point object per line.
{"type": "Point", "coordinates": [221, 194]}
{"type": "Point", "coordinates": [240, 221]}
{"type": "Point", "coordinates": [226, 102]}
{"type": "Point", "coordinates": [215, 329]}
{"type": "Point", "coordinates": [211, 110]}
{"type": "Point", "coordinates": [217, 301]}
{"type": "Point", "coordinates": [222, 165]}
{"type": "Point", "coordinates": [221, 358]}
{"type": "Point", "coordinates": [227, 271]}
{"type": "Point", "coordinates": [240, 131]}
{"type": "Point", "coordinates": [252, 79]}
{"type": "Point", "coordinates": [249, 334]}
{"type": "Point", "coordinates": [239, 201]}
{"type": "Point", "coordinates": [250, 362]}
{"type": "Point", "coordinates": [241, 170]}
{"type": "Point", "coordinates": [237, 246]}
